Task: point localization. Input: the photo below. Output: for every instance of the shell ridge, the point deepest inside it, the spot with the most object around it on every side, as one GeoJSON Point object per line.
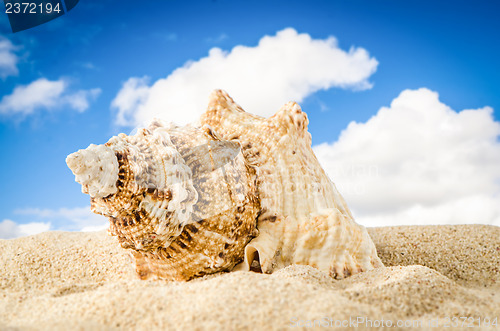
{"type": "Point", "coordinates": [289, 174]}
{"type": "Point", "coordinates": [194, 200]}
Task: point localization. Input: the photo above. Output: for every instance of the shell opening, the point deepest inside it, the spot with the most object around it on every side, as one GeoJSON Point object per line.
{"type": "Point", "coordinates": [252, 260]}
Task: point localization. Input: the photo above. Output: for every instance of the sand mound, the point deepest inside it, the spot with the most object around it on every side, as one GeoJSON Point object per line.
{"type": "Point", "coordinates": [61, 280]}
{"type": "Point", "coordinates": [468, 254]}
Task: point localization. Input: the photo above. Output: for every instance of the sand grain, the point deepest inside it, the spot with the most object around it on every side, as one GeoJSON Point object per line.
{"type": "Point", "coordinates": [85, 281]}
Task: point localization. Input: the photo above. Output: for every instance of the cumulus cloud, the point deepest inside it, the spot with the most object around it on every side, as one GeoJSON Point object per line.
{"type": "Point", "coordinates": [10, 229]}
{"type": "Point", "coordinates": [80, 100]}
{"type": "Point", "coordinates": [45, 94]}
{"type": "Point", "coordinates": [74, 219]}
{"type": "Point", "coordinates": [64, 219]}
{"type": "Point", "coordinates": [284, 67]}
{"type": "Point", "coordinates": [419, 162]}
{"type": "Point", "coordinates": [8, 58]}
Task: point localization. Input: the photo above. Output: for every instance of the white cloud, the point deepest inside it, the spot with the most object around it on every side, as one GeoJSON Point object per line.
{"type": "Point", "coordinates": [78, 219]}
{"type": "Point", "coordinates": [80, 100]}
{"type": "Point", "coordinates": [10, 229]}
{"type": "Point", "coordinates": [284, 67]}
{"type": "Point", "coordinates": [44, 93]}
{"type": "Point", "coordinates": [65, 219]}
{"type": "Point", "coordinates": [8, 58]}
{"type": "Point", "coordinates": [132, 95]}
{"type": "Point", "coordinates": [419, 162]}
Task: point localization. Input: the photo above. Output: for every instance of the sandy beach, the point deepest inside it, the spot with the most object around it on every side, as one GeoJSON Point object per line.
{"type": "Point", "coordinates": [435, 277]}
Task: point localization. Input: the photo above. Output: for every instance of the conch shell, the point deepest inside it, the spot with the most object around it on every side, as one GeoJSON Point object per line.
{"type": "Point", "coordinates": [235, 189]}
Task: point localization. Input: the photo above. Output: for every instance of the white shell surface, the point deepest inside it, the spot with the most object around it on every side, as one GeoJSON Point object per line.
{"type": "Point", "coordinates": [303, 217]}
{"type": "Point", "coordinates": [184, 201]}
{"type": "Point", "coordinates": [194, 200]}
{"type": "Point", "coordinates": [96, 169]}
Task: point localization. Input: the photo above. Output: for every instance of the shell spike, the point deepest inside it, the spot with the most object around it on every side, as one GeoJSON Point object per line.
{"type": "Point", "coordinates": [234, 187]}
{"type": "Point", "coordinates": [220, 98]}
{"type": "Point", "coordinates": [291, 116]}
{"type": "Point", "coordinates": [96, 169]}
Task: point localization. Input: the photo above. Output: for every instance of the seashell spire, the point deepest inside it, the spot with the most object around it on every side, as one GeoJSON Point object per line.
{"type": "Point", "coordinates": [179, 197]}
{"type": "Point", "coordinates": [96, 169]}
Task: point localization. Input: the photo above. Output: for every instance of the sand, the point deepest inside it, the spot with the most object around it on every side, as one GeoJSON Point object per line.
{"type": "Point", "coordinates": [85, 281]}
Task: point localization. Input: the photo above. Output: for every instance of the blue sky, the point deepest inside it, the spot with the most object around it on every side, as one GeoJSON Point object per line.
{"type": "Point", "coordinates": [450, 48]}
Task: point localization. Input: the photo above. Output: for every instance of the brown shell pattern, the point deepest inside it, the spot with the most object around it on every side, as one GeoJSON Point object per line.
{"type": "Point", "coordinates": [239, 189]}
